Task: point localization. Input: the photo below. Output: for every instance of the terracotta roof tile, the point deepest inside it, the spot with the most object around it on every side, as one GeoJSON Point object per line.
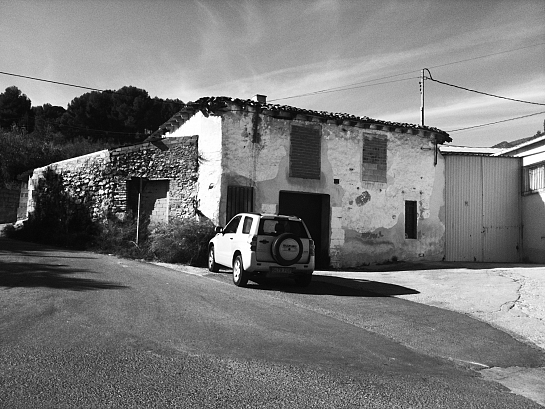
{"type": "Point", "coordinates": [216, 105]}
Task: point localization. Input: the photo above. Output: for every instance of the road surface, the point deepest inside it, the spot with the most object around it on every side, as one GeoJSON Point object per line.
{"type": "Point", "coordinates": [79, 329]}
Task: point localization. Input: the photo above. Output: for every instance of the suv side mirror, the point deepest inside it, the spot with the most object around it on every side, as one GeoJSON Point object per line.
{"type": "Point", "coordinates": [218, 229]}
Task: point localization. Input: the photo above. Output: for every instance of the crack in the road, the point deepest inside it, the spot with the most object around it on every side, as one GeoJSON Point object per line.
{"type": "Point", "coordinates": [520, 282]}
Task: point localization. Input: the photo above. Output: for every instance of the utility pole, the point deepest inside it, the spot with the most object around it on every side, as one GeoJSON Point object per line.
{"type": "Point", "coordinates": [422, 98]}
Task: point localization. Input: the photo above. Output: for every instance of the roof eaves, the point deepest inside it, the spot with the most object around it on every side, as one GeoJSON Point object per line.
{"type": "Point", "coordinates": [215, 105]}
{"type": "Point", "coordinates": [522, 145]}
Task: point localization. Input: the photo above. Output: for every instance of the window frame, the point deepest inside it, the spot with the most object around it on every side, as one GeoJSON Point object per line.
{"type": "Point", "coordinates": [374, 158]}
{"type": "Point", "coordinates": [305, 156]}
{"type": "Point", "coordinates": [531, 182]}
{"type": "Point", "coordinates": [234, 221]}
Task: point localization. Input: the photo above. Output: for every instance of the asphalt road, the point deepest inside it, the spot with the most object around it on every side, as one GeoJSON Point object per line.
{"type": "Point", "coordinates": [86, 330]}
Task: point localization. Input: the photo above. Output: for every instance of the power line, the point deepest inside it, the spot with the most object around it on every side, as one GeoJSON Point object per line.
{"type": "Point", "coordinates": [483, 93]}
{"type": "Point", "coordinates": [344, 88]}
{"type": "Point", "coordinates": [327, 90]}
{"type": "Point", "coordinates": [77, 86]}
{"type": "Point", "coordinates": [52, 82]}
{"type": "Point", "coordinates": [497, 122]}
{"type": "Point", "coordinates": [354, 85]}
{"type": "Point", "coordinates": [487, 55]}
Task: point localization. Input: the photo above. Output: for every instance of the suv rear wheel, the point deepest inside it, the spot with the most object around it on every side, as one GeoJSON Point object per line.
{"type": "Point", "coordinates": [240, 276]}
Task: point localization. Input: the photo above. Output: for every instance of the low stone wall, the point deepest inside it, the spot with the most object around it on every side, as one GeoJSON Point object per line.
{"type": "Point", "coordinates": [99, 181]}
{"type": "Point", "coordinates": [9, 201]}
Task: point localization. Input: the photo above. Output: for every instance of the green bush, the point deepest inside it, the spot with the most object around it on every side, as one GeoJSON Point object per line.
{"type": "Point", "coordinates": [57, 219]}
{"type": "Point", "coordinates": [182, 241]}
{"type": "Point", "coordinates": [117, 235]}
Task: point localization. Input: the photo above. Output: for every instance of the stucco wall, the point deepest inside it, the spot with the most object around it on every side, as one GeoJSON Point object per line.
{"type": "Point", "coordinates": [209, 184]}
{"type": "Point", "coordinates": [98, 181]}
{"type": "Point", "coordinates": [533, 233]}
{"type": "Point", "coordinates": [367, 218]}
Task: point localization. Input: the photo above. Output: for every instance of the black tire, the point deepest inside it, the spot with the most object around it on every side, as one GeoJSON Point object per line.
{"type": "Point", "coordinates": [240, 276]}
{"type": "Point", "coordinates": [275, 248]}
{"type": "Point", "coordinates": [303, 280]}
{"type": "Point", "coordinates": [212, 266]}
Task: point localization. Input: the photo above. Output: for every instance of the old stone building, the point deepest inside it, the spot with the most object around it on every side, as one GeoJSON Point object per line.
{"type": "Point", "coordinates": [370, 191]}
{"type": "Point", "coordinates": [164, 174]}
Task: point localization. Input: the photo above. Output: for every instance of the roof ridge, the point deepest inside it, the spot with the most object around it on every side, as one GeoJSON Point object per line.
{"type": "Point", "coordinates": [211, 105]}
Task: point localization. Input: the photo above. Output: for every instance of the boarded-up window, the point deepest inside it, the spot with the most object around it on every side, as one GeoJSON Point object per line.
{"type": "Point", "coordinates": [374, 157]}
{"type": "Point", "coordinates": [240, 199]}
{"type": "Point", "coordinates": [411, 218]}
{"type": "Point", "coordinates": [305, 150]}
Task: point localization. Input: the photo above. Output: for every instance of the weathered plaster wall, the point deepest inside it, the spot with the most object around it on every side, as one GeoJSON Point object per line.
{"type": "Point", "coordinates": [367, 218]}
{"type": "Point", "coordinates": [98, 181]}
{"type": "Point", "coordinates": [209, 186]}
{"type": "Point", "coordinates": [533, 233]}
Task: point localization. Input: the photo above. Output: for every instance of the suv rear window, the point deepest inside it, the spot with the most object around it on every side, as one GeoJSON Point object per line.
{"type": "Point", "coordinates": [275, 227]}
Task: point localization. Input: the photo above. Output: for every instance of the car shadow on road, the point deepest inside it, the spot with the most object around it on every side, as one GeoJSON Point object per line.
{"type": "Point", "coordinates": [49, 275]}
{"type": "Point", "coordinates": [329, 285]}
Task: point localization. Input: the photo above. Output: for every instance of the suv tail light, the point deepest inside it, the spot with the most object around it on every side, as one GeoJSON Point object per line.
{"type": "Point", "coordinates": [253, 243]}
{"type": "Point", "coordinates": [311, 247]}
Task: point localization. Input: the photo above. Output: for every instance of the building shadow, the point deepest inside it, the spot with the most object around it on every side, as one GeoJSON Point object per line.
{"type": "Point", "coordinates": [31, 275]}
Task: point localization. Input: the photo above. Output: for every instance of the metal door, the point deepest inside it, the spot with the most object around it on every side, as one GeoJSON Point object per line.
{"type": "Point", "coordinates": [482, 203]}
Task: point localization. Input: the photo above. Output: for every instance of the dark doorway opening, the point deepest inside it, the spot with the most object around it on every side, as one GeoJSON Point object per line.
{"type": "Point", "coordinates": [314, 209]}
{"type": "Point", "coordinates": [153, 199]}
{"type": "Point", "coordinates": [240, 199]}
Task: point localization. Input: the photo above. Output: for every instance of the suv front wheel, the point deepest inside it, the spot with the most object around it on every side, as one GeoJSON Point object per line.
{"type": "Point", "coordinates": [240, 276]}
{"type": "Point", "coordinates": [212, 266]}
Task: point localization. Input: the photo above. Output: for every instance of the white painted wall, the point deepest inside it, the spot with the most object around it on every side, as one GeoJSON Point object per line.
{"type": "Point", "coordinates": [361, 233]}
{"type": "Point", "coordinates": [209, 184]}
{"type": "Point", "coordinates": [533, 216]}
{"type": "Point", "coordinates": [533, 204]}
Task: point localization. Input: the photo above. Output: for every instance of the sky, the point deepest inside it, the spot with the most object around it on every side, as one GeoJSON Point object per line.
{"type": "Point", "coordinates": [362, 58]}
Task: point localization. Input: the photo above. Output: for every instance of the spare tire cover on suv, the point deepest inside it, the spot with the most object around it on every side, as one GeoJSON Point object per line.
{"type": "Point", "coordinates": [287, 249]}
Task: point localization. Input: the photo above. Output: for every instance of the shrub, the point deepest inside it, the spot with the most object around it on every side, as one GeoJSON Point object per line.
{"type": "Point", "coordinates": [57, 219]}
{"type": "Point", "coordinates": [182, 241]}
{"type": "Point", "coordinates": [117, 235]}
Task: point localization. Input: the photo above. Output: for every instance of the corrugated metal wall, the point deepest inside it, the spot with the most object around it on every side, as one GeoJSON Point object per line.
{"type": "Point", "coordinates": [483, 217]}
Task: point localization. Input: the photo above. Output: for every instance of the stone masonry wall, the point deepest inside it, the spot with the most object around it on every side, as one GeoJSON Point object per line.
{"type": "Point", "coordinates": [99, 181]}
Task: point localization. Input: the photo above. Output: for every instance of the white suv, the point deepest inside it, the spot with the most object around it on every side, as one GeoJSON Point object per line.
{"type": "Point", "coordinates": [255, 243]}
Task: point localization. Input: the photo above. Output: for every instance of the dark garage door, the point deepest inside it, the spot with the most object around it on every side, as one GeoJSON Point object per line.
{"type": "Point", "coordinates": [315, 211]}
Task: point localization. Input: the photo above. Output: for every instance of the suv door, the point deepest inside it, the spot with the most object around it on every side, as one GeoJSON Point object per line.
{"type": "Point", "coordinates": [224, 241]}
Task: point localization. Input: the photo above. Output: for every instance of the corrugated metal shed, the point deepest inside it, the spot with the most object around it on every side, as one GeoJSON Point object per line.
{"type": "Point", "coordinates": [483, 218]}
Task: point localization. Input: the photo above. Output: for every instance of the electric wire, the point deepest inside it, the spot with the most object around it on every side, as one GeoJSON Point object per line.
{"type": "Point", "coordinates": [346, 88]}
{"type": "Point", "coordinates": [497, 122]}
{"type": "Point", "coordinates": [349, 86]}
{"type": "Point", "coordinates": [76, 86]}
{"type": "Point", "coordinates": [361, 84]}
{"type": "Point", "coordinates": [483, 93]}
